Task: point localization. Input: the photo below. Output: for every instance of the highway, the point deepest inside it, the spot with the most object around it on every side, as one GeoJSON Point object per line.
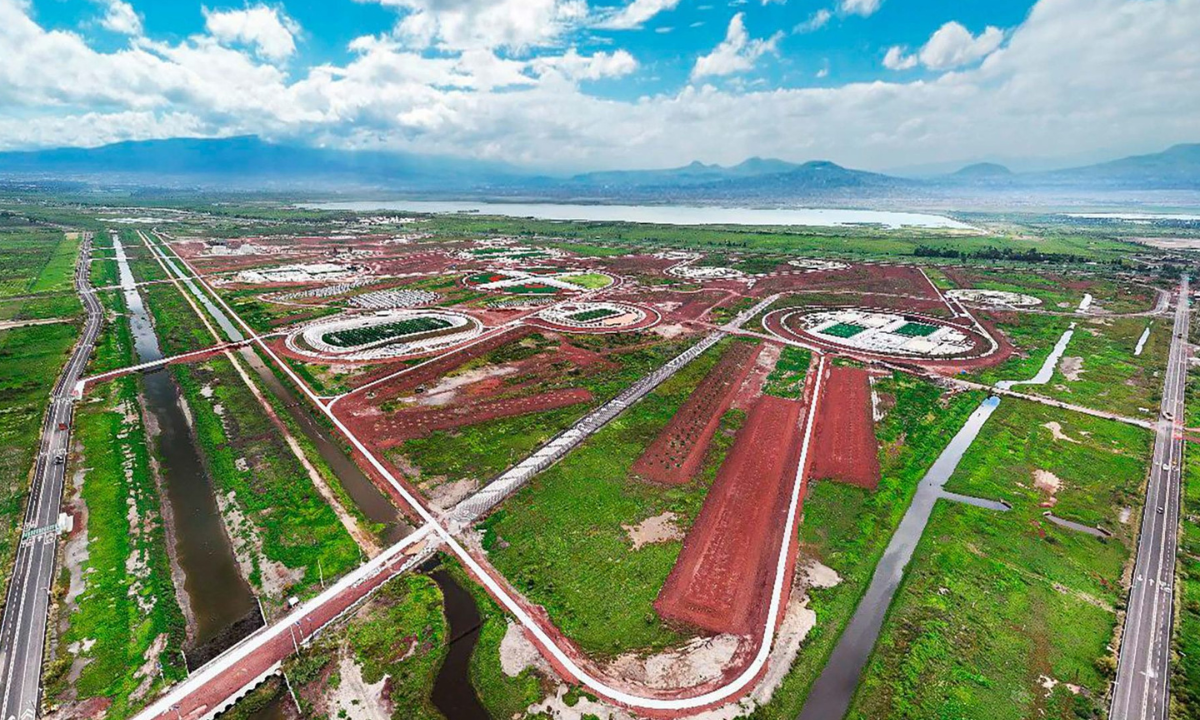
{"type": "Point", "coordinates": [1140, 691]}
{"type": "Point", "coordinates": [23, 627]}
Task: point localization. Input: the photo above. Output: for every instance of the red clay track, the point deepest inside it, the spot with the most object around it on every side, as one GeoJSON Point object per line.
{"type": "Point", "coordinates": [844, 444]}
{"type": "Point", "coordinates": [722, 579]}
{"type": "Point", "coordinates": [676, 454]}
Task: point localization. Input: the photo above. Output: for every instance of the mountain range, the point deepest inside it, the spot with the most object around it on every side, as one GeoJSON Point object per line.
{"type": "Point", "coordinates": [250, 163]}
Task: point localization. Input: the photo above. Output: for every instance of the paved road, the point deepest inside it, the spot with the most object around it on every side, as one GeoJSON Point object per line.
{"type": "Point", "coordinates": [23, 628]}
{"type": "Point", "coordinates": [1143, 670]}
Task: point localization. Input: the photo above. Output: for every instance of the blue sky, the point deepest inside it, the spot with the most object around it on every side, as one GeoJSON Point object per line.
{"type": "Point", "coordinates": [580, 84]}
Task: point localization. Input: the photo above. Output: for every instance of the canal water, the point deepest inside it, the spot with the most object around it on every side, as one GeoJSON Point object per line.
{"type": "Point", "coordinates": [221, 603]}
{"type": "Point", "coordinates": [367, 497]}
{"type": "Point", "coordinates": [453, 694]}
{"type": "Point", "coordinates": [833, 690]}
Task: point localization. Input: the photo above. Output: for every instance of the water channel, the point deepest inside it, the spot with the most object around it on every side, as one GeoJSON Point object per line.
{"type": "Point", "coordinates": [833, 690]}
{"type": "Point", "coordinates": [222, 607]}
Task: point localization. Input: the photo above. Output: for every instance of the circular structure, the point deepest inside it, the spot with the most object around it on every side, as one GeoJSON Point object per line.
{"type": "Point", "coordinates": [703, 272]}
{"type": "Point", "coordinates": [817, 265]}
{"type": "Point", "coordinates": [597, 317]}
{"type": "Point", "coordinates": [994, 298]}
{"type": "Point", "coordinates": [383, 335]}
{"type": "Point", "coordinates": [539, 280]}
{"type": "Point", "coordinates": [878, 332]}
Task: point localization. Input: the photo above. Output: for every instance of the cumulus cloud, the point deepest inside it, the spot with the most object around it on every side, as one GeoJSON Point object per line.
{"type": "Point", "coordinates": [574, 66]}
{"type": "Point", "coordinates": [464, 24]}
{"type": "Point", "coordinates": [865, 8]}
{"type": "Point", "coordinates": [271, 33]}
{"type": "Point", "coordinates": [120, 17]}
{"type": "Point", "coordinates": [634, 14]}
{"type": "Point", "coordinates": [736, 53]}
{"type": "Point", "coordinates": [1047, 89]}
{"type": "Point", "coordinates": [816, 21]}
{"type": "Point", "coordinates": [951, 46]}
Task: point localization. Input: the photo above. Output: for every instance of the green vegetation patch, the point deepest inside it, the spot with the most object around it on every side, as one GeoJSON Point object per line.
{"type": "Point", "coordinates": [916, 329]}
{"type": "Point", "coordinates": [1185, 669]}
{"type": "Point", "coordinates": [30, 361]}
{"type": "Point", "coordinates": [843, 330]}
{"type": "Point", "coordinates": [354, 337]}
{"type": "Point", "coordinates": [589, 281]}
{"type": "Point", "coordinates": [560, 539]}
{"type": "Point", "coordinates": [786, 380]}
{"type": "Point", "coordinates": [995, 603]}
{"type": "Point", "coordinates": [847, 528]}
{"type": "Point", "coordinates": [591, 315]}
{"type": "Point", "coordinates": [125, 626]}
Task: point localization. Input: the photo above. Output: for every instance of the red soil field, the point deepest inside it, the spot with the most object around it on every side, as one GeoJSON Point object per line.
{"type": "Point", "coordinates": [676, 454]}
{"type": "Point", "coordinates": [844, 444]}
{"type": "Point", "coordinates": [723, 577]}
{"type": "Point", "coordinates": [389, 430]}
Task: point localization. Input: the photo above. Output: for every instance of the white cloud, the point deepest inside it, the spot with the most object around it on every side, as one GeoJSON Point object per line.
{"type": "Point", "coordinates": [865, 8]}
{"type": "Point", "coordinates": [736, 53]}
{"type": "Point", "coordinates": [574, 66]}
{"type": "Point", "coordinates": [1047, 90]}
{"type": "Point", "coordinates": [633, 15]}
{"type": "Point", "coordinates": [120, 17]}
{"type": "Point", "coordinates": [897, 59]}
{"type": "Point", "coordinates": [953, 46]}
{"type": "Point", "coordinates": [816, 21]}
{"type": "Point", "coordinates": [269, 32]}
{"type": "Point", "coordinates": [486, 24]}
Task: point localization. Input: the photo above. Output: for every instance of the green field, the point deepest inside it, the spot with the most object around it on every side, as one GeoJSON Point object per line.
{"type": "Point", "coordinates": [590, 315]}
{"type": "Point", "coordinates": [125, 625]}
{"type": "Point", "coordinates": [915, 329]}
{"type": "Point", "coordinates": [1185, 667]}
{"type": "Point", "coordinates": [589, 281]}
{"type": "Point", "coordinates": [355, 337]}
{"type": "Point", "coordinates": [560, 541]}
{"type": "Point", "coordinates": [847, 528]}
{"type": "Point", "coordinates": [843, 330]}
{"type": "Point", "coordinates": [996, 606]}
{"type": "Point", "coordinates": [786, 379]}
{"type": "Point", "coordinates": [35, 260]}
{"type": "Point", "coordinates": [30, 360]}
{"type": "Point", "coordinates": [399, 634]}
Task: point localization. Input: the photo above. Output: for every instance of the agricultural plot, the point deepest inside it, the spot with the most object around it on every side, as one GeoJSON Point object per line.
{"type": "Point", "coordinates": [28, 255]}
{"type": "Point", "coordinates": [563, 539]}
{"type": "Point", "coordinates": [847, 527]}
{"type": "Point", "coordinates": [30, 360]}
{"type": "Point", "coordinates": [844, 444]}
{"type": "Point", "coordinates": [786, 379]}
{"type": "Point", "coordinates": [978, 628]}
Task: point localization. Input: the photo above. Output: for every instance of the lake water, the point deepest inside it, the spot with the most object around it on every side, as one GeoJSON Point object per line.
{"type": "Point", "coordinates": [659, 214]}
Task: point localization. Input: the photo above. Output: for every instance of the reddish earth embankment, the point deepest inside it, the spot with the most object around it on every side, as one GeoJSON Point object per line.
{"type": "Point", "coordinates": [844, 444]}
{"type": "Point", "coordinates": [676, 454]}
{"type": "Point", "coordinates": [723, 577]}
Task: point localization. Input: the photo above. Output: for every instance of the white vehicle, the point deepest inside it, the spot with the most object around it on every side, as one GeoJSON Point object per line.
{"type": "Point", "coordinates": [1166, 466]}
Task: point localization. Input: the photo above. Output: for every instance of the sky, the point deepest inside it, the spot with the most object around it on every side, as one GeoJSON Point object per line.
{"type": "Point", "coordinates": [572, 85]}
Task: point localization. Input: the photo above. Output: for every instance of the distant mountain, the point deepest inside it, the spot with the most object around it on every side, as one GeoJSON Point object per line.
{"type": "Point", "coordinates": [252, 162]}
{"type": "Point", "coordinates": [983, 170]}
{"type": "Point", "coordinates": [1176, 168]}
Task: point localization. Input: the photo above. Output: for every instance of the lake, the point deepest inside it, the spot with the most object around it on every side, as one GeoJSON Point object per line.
{"type": "Point", "coordinates": [658, 214]}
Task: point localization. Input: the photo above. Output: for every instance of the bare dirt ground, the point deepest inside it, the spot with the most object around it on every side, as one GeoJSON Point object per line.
{"type": "Point", "coordinates": [844, 443]}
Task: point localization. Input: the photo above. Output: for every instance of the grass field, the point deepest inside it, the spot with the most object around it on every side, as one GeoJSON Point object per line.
{"type": "Point", "coordinates": [400, 634]}
{"type": "Point", "coordinates": [786, 379]}
{"type": "Point", "coordinates": [843, 330]}
{"type": "Point", "coordinates": [847, 528]}
{"type": "Point", "coordinates": [125, 626]}
{"type": "Point", "coordinates": [375, 333]}
{"type": "Point", "coordinates": [1005, 615]}
{"type": "Point", "coordinates": [30, 360]}
{"type": "Point", "coordinates": [589, 281]}
{"type": "Point", "coordinates": [1185, 670]}
{"type": "Point", "coordinates": [30, 260]}
{"type": "Point", "coordinates": [560, 539]}
{"type": "Point", "coordinates": [58, 274]}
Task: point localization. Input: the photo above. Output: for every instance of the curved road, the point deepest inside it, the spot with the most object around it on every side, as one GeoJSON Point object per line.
{"type": "Point", "coordinates": [23, 628]}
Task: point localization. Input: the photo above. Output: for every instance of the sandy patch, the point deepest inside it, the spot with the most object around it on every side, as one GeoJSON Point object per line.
{"type": "Point", "coordinates": [518, 653]}
{"type": "Point", "coordinates": [447, 495]}
{"type": "Point", "coordinates": [149, 671]}
{"type": "Point", "coordinates": [1071, 368]}
{"type": "Point", "coordinates": [652, 530]}
{"type": "Point", "coordinates": [354, 698]}
{"type": "Point", "coordinates": [1125, 513]}
{"type": "Point", "coordinates": [1056, 430]}
{"type": "Point", "coordinates": [1049, 683]}
{"type": "Point", "coordinates": [1048, 483]}
{"type": "Point", "coordinates": [444, 392]}
{"type": "Point", "coordinates": [670, 331]}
